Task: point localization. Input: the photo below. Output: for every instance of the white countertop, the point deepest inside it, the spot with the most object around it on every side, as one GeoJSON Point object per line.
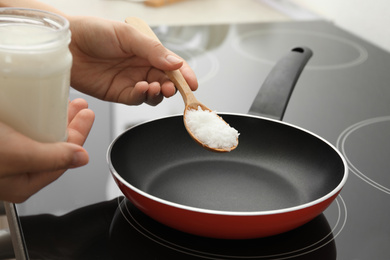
{"type": "Point", "coordinates": [184, 12]}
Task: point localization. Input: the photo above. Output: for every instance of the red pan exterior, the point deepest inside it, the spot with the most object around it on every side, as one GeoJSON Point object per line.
{"type": "Point", "coordinates": [224, 226]}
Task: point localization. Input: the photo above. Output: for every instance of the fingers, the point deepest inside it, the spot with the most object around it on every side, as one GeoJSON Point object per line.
{"type": "Point", "coordinates": [143, 92]}
{"type": "Point", "coordinates": [153, 95]}
{"type": "Point", "coordinates": [80, 121]}
{"type": "Point", "coordinates": [76, 106]}
{"type": "Point", "coordinates": [189, 76]}
{"type": "Point", "coordinates": [27, 166]}
{"type": "Point", "coordinates": [20, 154]}
{"type": "Point", "coordinates": [168, 89]}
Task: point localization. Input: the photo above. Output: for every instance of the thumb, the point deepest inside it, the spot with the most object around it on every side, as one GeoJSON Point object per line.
{"type": "Point", "coordinates": [147, 45]}
{"type": "Point", "coordinates": [56, 156]}
{"type": "Point", "coordinates": [20, 154]}
{"type": "Point", "coordinates": [159, 56]}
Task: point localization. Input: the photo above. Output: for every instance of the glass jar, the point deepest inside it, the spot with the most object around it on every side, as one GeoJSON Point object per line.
{"type": "Point", "coordinates": [35, 64]}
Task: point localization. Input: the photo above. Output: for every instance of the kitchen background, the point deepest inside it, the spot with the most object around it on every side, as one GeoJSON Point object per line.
{"type": "Point", "coordinates": [368, 19]}
{"type": "Point", "coordinates": [365, 19]}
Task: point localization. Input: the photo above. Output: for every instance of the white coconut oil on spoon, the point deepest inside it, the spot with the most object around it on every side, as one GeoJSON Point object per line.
{"type": "Point", "coordinates": [211, 130]}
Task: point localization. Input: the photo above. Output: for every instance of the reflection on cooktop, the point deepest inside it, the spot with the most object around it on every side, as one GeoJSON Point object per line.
{"type": "Point", "coordinates": [194, 44]}
{"type": "Point", "coordinates": [366, 147]}
{"type": "Point", "coordinates": [326, 47]}
{"type": "Point", "coordinates": [130, 226]}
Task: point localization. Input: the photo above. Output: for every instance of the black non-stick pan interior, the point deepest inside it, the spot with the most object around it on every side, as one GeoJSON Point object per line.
{"type": "Point", "coordinates": [275, 165]}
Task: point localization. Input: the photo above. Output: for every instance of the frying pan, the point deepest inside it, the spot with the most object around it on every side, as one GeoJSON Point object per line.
{"type": "Point", "coordinates": [279, 177]}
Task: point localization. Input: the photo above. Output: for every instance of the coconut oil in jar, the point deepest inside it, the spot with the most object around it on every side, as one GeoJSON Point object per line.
{"type": "Point", "coordinates": [35, 64]}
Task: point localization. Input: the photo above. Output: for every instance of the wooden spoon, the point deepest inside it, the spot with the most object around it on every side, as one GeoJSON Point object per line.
{"type": "Point", "coordinates": [191, 103]}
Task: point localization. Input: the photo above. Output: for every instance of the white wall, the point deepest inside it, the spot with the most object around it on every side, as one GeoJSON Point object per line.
{"type": "Point", "coordinates": [368, 19]}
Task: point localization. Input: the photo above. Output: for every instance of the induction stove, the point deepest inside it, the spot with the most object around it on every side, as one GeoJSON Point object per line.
{"type": "Point", "coordinates": [343, 95]}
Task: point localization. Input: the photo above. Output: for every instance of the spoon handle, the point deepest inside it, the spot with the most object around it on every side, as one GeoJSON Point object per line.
{"type": "Point", "coordinates": [175, 76]}
{"type": "Point", "coordinates": [181, 84]}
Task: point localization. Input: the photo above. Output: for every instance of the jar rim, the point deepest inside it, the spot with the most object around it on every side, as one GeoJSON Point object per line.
{"type": "Point", "coordinates": [56, 29]}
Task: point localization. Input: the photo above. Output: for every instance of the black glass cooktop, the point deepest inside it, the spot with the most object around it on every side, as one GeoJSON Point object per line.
{"type": "Point", "coordinates": [343, 95]}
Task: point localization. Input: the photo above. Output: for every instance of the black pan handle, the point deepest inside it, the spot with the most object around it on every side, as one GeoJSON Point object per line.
{"type": "Point", "coordinates": [272, 99]}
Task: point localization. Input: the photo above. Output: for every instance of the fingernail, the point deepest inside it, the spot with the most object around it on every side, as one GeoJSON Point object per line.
{"type": "Point", "coordinates": [173, 59]}
{"type": "Point", "coordinates": [80, 159]}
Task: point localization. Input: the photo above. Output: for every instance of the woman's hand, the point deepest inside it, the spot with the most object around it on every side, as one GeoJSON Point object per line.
{"type": "Point", "coordinates": [113, 61]}
{"type": "Point", "coordinates": [27, 166]}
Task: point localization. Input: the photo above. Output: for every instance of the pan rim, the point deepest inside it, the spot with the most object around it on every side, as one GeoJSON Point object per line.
{"type": "Point", "coordinates": [336, 190]}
